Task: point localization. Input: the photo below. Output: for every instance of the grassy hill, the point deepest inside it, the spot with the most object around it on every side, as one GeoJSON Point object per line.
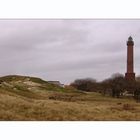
{"type": "Point", "coordinates": [29, 98]}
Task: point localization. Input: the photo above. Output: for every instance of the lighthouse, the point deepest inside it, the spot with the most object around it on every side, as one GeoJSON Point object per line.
{"type": "Point", "coordinates": [130, 75]}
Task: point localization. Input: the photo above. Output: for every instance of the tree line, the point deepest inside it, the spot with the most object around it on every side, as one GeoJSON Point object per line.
{"type": "Point", "coordinates": [115, 86]}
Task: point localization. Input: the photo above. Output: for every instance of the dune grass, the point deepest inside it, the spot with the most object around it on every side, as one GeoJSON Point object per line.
{"type": "Point", "coordinates": [26, 98]}
{"type": "Point", "coordinates": [67, 108]}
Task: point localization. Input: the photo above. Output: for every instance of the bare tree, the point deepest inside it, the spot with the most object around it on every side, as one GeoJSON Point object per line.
{"type": "Point", "coordinates": [86, 84]}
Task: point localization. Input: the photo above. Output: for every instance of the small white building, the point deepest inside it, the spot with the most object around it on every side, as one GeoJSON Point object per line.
{"type": "Point", "coordinates": [56, 83]}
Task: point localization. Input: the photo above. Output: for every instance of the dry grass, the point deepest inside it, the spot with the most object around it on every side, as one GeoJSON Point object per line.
{"type": "Point", "coordinates": [67, 106]}
{"type": "Point", "coordinates": [23, 99]}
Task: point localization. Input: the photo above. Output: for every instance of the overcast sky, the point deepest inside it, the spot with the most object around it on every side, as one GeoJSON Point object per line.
{"type": "Point", "coordinates": [65, 50]}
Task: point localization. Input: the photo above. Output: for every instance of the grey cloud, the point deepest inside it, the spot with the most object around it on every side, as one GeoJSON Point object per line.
{"type": "Point", "coordinates": [66, 49]}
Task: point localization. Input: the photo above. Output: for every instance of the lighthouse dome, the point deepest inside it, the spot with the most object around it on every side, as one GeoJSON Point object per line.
{"type": "Point", "coordinates": [130, 38]}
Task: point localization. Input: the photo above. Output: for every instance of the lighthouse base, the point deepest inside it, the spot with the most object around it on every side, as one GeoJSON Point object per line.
{"type": "Point", "coordinates": [130, 76]}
